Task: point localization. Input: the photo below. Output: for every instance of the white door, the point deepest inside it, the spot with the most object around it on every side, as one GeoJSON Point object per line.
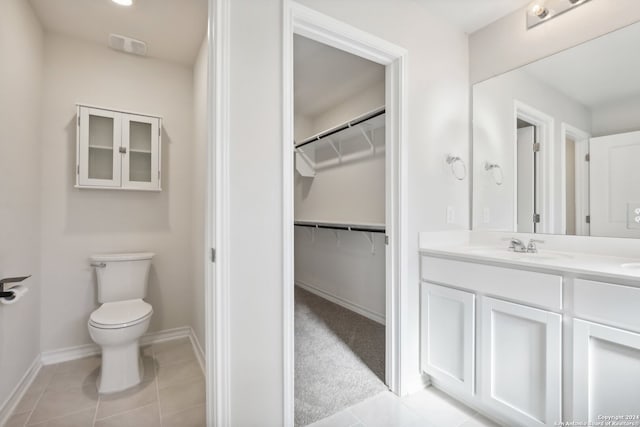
{"type": "Point", "coordinates": [99, 133]}
{"type": "Point", "coordinates": [141, 159]}
{"type": "Point", "coordinates": [606, 372]}
{"type": "Point", "coordinates": [526, 180]}
{"type": "Point", "coordinates": [615, 185]}
{"type": "Point", "coordinates": [521, 362]}
{"type": "Point", "coordinates": [448, 331]}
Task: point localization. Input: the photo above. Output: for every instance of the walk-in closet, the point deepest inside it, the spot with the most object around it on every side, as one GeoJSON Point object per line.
{"type": "Point", "coordinates": [340, 251]}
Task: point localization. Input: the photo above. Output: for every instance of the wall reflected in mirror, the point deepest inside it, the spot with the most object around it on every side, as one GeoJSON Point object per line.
{"type": "Point", "coordinates": [556, 143]}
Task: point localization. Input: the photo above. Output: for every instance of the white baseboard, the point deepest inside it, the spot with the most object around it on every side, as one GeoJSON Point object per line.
{"type": "Point", "coordinates": [197, 349]}
{"type": "Point", "coordinates": [9, 405]}
{"type": "Point", "coordinates": [376, 317]}
{"type": "Point", "coordinates": [85, 350]}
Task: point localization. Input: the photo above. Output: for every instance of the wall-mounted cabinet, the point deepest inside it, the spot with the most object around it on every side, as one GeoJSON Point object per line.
{"type": "Point", "coordinates": [117, 150]}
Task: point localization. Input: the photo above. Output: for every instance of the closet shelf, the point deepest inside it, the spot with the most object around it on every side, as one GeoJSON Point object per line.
{"type": "Point", "coordinates": [346, 142]}
{"type": "Point", "coordinates": [369, 228]}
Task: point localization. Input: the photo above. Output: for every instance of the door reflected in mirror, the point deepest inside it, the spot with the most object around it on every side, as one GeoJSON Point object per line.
{"type": "Point", "coordinates": [563, 136]}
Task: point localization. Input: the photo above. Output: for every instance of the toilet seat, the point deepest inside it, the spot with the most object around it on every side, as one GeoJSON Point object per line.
{"type": "Point", "coordinates": [120, 314]}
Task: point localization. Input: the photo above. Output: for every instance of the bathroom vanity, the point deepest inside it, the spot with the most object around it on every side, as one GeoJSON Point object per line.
{"type": "Point", "coordinates": [531, 338]}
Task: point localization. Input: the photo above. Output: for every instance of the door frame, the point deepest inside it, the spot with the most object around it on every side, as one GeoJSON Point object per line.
{"type": "Point", "coordinates": [309, 23]}
{"type": "Point", "coordinates": [580, 137]}
{"type": "Point", "coordinates": [545, 180]}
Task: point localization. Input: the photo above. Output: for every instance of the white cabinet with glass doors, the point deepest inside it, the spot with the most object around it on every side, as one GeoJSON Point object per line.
{"type": "Point", "coordinates": [117, 150]}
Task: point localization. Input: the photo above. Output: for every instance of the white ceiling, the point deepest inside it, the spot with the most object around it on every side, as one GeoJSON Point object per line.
{"type": "Point", "coordinates": [325, 77]}
{"type": "Point", "coordinates": [172, 29]}
{"type": "Point", "coordinates": [598, 72]}
{"type": "Point", "coordinates": [471, 15]}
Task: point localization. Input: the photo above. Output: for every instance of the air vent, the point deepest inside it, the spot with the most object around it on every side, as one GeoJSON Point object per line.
{"type": "Point", "coordinates": [127, 44]}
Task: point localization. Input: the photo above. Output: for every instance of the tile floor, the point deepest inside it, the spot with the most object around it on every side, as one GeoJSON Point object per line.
{"type": "Point", "coordinates": [172, 393]}
{"type": "Point", "coordinates": [428, 408]}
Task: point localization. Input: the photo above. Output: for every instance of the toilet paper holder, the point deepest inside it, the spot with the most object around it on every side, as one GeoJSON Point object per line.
{"type": "Point", "coordinates": [8, 294]}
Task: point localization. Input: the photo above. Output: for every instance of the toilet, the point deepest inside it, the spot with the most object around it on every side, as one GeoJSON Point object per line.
{"type": "Point", "coordinates": [123, 317]}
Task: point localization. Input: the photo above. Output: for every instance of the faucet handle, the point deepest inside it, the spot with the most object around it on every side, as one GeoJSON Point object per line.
{"type": "Point", "coordinates": [531, 247]}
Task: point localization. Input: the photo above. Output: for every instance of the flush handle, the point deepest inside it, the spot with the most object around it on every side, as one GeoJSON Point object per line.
{"type": "Point", "coordinates": [98, 264]}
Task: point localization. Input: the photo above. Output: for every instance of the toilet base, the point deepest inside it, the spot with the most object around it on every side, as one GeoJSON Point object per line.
{"type": "Point", "coordinates": [121, 368]}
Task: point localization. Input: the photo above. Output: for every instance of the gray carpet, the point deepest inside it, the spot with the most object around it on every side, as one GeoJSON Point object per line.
{"type": "Point", "coordinates": [339, 358]}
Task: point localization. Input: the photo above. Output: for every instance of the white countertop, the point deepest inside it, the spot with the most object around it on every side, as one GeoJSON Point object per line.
{"type": "Point", "coordinates": [618, 268]}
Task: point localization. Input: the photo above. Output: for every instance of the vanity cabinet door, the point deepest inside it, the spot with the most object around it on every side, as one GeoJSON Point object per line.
{"type": "Point", "coordinates": [606, 372]}
{"type": "Point", "coordinates": [448, 331]}
{"type": "Point", "coordinates": [521, 362]}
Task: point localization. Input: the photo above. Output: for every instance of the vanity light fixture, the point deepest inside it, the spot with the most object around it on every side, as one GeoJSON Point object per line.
{"type": "Point", "coordinates": [543, 10]}
{"type": "Point", "coordinates": [123, 2]}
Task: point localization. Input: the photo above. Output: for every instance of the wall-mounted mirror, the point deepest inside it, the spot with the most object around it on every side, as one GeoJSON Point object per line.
{"type": "Point", "coordinates": [556, 143]}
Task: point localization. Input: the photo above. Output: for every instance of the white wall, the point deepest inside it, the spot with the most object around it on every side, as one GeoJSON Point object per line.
{"type": "Point", "coordinates": [77, 223]}
{"type": "Point", "coordinates": [365, 101]}
{"type": "Point", "coordinates": [507, 44]}
{"type": "Point", "coordinates": [255, 206]}
{"type": "Point", "coordinates": [617, 117]}
{"type": "Point", "coordinates": [494, 141]}
{"type": "Point", "coordinates": [199, 173]}
{"type": "Point", "coordinates": [21, 56]}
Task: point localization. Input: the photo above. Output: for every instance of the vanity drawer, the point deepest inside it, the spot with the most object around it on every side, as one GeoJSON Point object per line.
{"type": "Point", "coordinates": [615, 305]}
{"type": "Point", "coordinates": [539, 289]}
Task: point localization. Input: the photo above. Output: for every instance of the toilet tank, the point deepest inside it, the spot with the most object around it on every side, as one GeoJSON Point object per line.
{"type": "Point", "coordinates": [122, 276]}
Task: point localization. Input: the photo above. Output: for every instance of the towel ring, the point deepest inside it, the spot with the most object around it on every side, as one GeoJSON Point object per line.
{"type": "Point", "coordinates": [451, 161]}
{"type": "Point", "coordinates": [493, 168]}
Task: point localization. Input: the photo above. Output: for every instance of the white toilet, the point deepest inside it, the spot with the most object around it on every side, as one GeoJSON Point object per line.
{"type": "Point", "coordinates": [122, 318]}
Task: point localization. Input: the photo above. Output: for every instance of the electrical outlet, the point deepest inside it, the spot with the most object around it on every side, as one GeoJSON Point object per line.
{"type": "Point", "coordinates": [451, 215]}
{"type": "Point", "coordinates": [633, 215]}
{"type": "Point", "coordinates": [486, 215]}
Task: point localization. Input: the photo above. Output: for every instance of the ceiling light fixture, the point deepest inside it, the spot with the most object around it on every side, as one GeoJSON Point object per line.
{"type": "Point", "coordinates": [123, 2]}
{"type": "Point", "coordinates": [540, 11]}
{"type": "Point", "coordinates": [544, 10]}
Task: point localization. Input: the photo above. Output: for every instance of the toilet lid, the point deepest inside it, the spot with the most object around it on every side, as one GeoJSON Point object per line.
{"type": "Point", "coordinates": [120, 314]}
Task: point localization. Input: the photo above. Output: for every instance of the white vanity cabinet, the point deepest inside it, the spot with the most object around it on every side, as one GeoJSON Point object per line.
{"type": "Point", "coordinates": [503, 337]}
{"type": "Point", "coordinates": [508, 318]}
{"type": "Point", "coordinates": [521, 362]}
{"type": "Point", "coordinates": [606, 351]}
{"type": "Point", "coordinates": [448, 322]}
{"type": "Point", "coordinates": [117, 150]}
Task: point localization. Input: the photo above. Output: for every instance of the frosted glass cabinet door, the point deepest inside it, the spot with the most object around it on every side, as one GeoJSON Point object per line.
{"type": "Point", "coordinates": [140, 163]}
{"type": "Point", "coordinates": [448, 331]}
{"type": "Point", "coordinates": [606, 373]}
{"type": "Point", "coordinates": [521, 362]}
{"type": "Point", "coordinates": [98, 148]}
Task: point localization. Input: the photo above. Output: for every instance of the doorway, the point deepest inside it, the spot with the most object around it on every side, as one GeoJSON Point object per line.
{"type": "Point", "coordinates": [307, 23]}
{"type": "Point", "coordinates": [339, 208]}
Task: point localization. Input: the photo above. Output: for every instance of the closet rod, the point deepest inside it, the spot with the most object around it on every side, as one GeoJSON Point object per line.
{"type": "Point", "coordinates": [365, 228]}
{"type": "Point", "coordinates": [375, 113]}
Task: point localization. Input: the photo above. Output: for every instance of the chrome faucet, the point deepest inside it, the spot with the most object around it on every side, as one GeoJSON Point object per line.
{"type": "Point", "coordinates": [531, 247]}
{"type": "Point", "coordinates": [517, 245]}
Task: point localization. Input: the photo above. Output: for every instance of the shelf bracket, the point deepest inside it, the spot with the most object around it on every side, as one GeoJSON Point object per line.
{"type": "Point", "coordinates": [368, 139]}
{"type": "Point", "coordinates": [369, 237]}
{"type": "Point", "coordinates": [333, 145]}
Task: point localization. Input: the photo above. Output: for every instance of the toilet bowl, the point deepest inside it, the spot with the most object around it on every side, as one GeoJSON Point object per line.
{"type": "Point", "coordinates": [117, 325]}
